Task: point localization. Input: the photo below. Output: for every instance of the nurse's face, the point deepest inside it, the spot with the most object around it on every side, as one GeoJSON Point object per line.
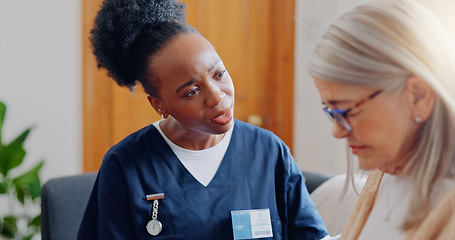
{"type": "Point", "coordinates": [382, 126]}
{"type": "Point", "coordinates": [194, 86]}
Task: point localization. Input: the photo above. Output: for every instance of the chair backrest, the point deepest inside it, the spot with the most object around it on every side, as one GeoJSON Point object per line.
{"type": "Point", "coordinates": [63, 202]}
{"type": "Point", "coordinates": [313, 179]}
{"type": "Point", "coordinates": [334, 210]}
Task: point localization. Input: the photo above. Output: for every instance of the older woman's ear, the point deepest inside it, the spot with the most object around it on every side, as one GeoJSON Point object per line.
{"type": "Point", "coordinates": [422, 98]}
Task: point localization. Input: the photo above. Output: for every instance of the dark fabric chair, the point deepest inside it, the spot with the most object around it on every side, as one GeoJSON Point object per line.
{"type": "Point", "coordinates": [63, 202]}
{"type": "Point", "coordinates": [313, 180]}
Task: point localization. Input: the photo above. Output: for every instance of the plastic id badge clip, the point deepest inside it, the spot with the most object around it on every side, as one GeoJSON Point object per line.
{"type": "Point", "coordinates": [250, 224]}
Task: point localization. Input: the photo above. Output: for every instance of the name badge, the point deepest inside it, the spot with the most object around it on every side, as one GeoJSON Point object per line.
{"type": "Point", "coordinates": [250, 224]}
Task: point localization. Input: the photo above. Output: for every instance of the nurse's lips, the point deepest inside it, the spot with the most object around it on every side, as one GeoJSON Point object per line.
{"type": "Point", "coordinates": [224, 117]}
{"type": "Point", "coordinates": [356, 149]}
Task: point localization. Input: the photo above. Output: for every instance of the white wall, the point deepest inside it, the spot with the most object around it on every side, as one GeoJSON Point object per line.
{"type": "Point", "coordinates": [444, 10]}
{"type": "Point", "coordinates": [40, 81]}
{"type": "Point", "coordinates": [314, 147]}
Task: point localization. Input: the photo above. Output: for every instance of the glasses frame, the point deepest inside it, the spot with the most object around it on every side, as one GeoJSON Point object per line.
{"type": "Point", "coordinates": [341, 115]}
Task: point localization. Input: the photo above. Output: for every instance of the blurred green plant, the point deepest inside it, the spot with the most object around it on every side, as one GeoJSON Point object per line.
{"type": "Point", "coordinates": [22, 191]}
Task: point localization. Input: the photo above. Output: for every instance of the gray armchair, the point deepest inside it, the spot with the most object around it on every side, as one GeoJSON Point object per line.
{"type": "Point", "coordinates": [313, 180]}
{"type": "Point", "coordinates": [63, 202]}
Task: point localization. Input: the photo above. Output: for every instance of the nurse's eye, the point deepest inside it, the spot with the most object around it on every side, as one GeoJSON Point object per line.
{"type": "Point", "coordinates": [192, 92]}
{"type": "Point", "coordinates": [219, 75]}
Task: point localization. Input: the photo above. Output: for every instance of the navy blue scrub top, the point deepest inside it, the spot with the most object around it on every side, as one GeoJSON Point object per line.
{"type": "Point", "coordinates": [257, 172]}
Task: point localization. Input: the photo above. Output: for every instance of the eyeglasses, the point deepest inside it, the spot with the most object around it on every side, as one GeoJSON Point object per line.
{"type": "Point", "coordinates": [341, 115]}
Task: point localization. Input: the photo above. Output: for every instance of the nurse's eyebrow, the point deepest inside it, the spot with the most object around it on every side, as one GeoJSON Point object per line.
{"type": "Point", "coordinates": [214, 65]}
{"type": "Point", "coordinates": [189, 83]}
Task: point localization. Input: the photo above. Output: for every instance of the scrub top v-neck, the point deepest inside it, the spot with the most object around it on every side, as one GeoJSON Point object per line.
{"type": "Point", "coordinates": [202, 164]}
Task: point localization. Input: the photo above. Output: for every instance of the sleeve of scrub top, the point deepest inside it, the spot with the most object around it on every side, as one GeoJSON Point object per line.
{"type": "Point", "coordinates": [107, 214]}
{"type": "Point", "coordinates": [304, 221]}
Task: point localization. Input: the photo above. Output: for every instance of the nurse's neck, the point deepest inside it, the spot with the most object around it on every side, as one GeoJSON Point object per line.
{"type": "Point", "coordinates": [184, 138]}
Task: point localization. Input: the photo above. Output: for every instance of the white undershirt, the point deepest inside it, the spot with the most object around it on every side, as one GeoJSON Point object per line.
{"type": "Point", "coordinates": [390, 207]}
{"type": "Point", "coordinates": [202, 164]}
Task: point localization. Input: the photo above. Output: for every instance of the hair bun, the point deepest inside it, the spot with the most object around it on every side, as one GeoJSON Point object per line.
{"type": "Point", "coordinates": [117, 26]}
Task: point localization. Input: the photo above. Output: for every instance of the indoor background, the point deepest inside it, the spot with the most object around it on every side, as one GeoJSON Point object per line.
{"type": "Point", "coordinates": [41, 82]}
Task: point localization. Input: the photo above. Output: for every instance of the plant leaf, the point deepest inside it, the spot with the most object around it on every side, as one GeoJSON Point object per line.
{"type": "Point", "coordinates": [21, 138]}
{"type": "Point", "coordinates": [28, 184]}
{"type": "Point", "coordinates": [34, 225]}
{"type": "Point", "coordinates": [35, 222]}
{"type": "Point", "coordinates": [3, 186]}
{"type": "Point", "coordinates": [8, 227]}
{"type": "Point", "coordinates": [2, 117]}
{"type": "Point", "coordinates": [13, 154]}
{"type": "Point", "coordinates": [29, 237]}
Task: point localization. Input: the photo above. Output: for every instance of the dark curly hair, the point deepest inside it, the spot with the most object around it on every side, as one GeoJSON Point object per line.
{"type": "Point", "coordinates": [127, 34]}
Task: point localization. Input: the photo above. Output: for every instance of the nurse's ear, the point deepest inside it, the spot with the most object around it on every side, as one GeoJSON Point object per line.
{"type": "Point", "coordinates": [158, 106]}
{"type": "Point", "coordinates": [421, 98]}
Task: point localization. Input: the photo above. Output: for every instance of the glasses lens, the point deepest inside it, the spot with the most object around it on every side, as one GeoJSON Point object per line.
{"type": "Point", "coordinates": [339, 117]}
{"type": "Point", "coordinates": [328, 113]}
{"type": "Point", "coordinates": [342, 121]}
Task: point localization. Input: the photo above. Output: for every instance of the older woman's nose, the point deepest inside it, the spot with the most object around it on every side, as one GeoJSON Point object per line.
{"type": "Point", "coordinates": [339, 131]}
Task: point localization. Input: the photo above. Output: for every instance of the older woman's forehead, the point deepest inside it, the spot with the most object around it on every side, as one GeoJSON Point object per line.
{"type": "Point", "coordinates": [335, 93]}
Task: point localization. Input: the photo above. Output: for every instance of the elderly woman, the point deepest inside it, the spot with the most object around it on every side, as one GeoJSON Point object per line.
{"type": "Point", "coordinates": [385, 72]}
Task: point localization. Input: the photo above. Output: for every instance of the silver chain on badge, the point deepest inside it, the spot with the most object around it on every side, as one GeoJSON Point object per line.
{"type": "Point", "coordinates": [155, 210]}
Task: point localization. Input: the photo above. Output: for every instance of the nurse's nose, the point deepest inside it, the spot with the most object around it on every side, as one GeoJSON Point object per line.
{"type": "Point", "coordinates": [339, 131]}
{"type": "Point", "coordinates": [215, 95]}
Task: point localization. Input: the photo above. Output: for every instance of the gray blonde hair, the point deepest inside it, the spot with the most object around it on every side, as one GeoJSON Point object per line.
{"type": "Point", "coordinates": [380, 44]}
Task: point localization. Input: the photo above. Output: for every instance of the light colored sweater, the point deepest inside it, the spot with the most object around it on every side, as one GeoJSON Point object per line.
{"type": "Point", "coordinates": [438, 225]}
